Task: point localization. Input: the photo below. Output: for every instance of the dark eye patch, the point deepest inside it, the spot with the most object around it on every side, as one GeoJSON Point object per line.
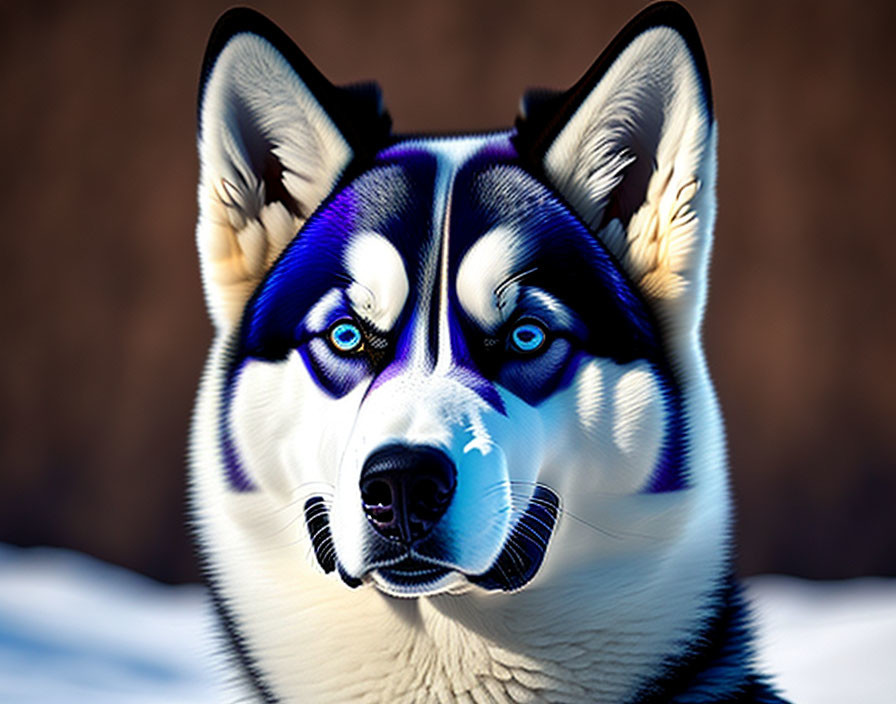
{"type": "Point", "coordinates": [336, 373]}
{"type": "Point", "coordinates": [345, 353]}
{"type": "Point", "coordinates": [535, 377]}
{"type": "Point", "coordinates": [555, 254]}
{"type": "Point", "coordinates": [394, 200]}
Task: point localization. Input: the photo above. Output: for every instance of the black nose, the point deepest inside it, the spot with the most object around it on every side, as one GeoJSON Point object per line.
{"type": "Point", "coordinates": [406, 489]}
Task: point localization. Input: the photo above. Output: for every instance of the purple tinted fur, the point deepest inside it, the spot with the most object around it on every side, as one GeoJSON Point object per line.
{"type": "Point", "coordinates": [462, 370]}
{"type": "Point", "coordinates": [236, 475]}
{"type": "Point", "coordinates": [305, 271]}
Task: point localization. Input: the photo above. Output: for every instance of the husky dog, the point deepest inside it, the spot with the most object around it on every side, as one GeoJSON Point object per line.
{"type": "Point", "coordinates": [456, 440]}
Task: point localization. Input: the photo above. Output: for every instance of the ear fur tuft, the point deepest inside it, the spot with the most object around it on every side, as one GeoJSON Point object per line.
{"type": "Point", "coordinates": [274, 139]}
{"type": "Point", "coordinates": [631, 148]}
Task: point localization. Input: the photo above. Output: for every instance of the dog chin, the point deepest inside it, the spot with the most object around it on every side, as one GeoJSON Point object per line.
{"type": "Point", "coordinates": [409, 583]}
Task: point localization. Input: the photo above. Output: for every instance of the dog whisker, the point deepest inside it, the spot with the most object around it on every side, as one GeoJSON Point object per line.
{"type": "Point", "coordinates": [592, 492]}
{"type": "Point", "coordinates": [517, 562]}
{"type": "Point", "coordinates": [525, 531]}
{"type": "Point", "coordinates": [530, 518]}
{"type": "Point", "coordinates": [617, 535]}
{"type": "Point", "coordinates": [322, 531]}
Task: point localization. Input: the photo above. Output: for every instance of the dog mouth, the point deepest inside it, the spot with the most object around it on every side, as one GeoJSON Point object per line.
{"type": "Point", "coordinates": [413, 577]}
{"type": "Point", "coordinates": [525, 547]}
{"type": "Point", "coordinates": [515, 566]}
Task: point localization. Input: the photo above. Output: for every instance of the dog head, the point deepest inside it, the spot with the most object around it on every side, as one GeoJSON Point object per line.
{"type": "Point", "coordinates": [435, 351]}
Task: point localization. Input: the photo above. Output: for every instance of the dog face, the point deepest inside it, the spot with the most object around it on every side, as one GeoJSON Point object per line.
{"type": "Point", "coordinates": [425, 342]}
{"type": "Point", "coordinates": [433, 351]}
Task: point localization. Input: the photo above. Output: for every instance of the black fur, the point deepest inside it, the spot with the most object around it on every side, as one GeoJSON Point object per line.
{"type": "Point", "coordinates": [718, 667]}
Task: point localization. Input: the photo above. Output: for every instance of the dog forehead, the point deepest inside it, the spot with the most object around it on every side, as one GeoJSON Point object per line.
{"type": "Point", "coordinates": [493, 220]}
{"type": "Point", "coordinates": [425, 209]}
{"type": "Point", "coordinates": [506, 197]}
{"type": "Point", "coordinates": [476, 184]}
{"type": "Point", "coordinates": [510, 232]}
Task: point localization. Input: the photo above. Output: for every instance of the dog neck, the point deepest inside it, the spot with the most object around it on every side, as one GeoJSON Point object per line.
{"type": "Point", "coordinates": [630, 623]}
{"type": "Point", "coordinates": [719, 665]}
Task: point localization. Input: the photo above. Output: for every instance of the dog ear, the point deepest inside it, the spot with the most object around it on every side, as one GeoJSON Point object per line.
{"type": "Point", "coordinates": [274, 139]}
{"type": "Point", "coordinates": [631, 148]}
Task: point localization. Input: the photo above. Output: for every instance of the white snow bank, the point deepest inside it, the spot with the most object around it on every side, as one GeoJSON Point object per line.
{"type": "Point", "coordinates": [828, 642]}
{"type": "Point", "coordinates": [73, 630]}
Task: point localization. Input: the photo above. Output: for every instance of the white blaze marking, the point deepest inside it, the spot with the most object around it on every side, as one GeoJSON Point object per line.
{"type": "Point", "coordinates": [450, 153]}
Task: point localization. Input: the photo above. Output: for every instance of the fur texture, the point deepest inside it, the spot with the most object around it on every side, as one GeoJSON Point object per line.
{"type": "Point", "coordinates": [456, 440]}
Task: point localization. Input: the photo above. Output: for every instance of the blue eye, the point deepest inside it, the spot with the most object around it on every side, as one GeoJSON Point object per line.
{"type": "Point", "coordinates": [345, 337]}
{"type": "Point", "coordinates": [528, 337]}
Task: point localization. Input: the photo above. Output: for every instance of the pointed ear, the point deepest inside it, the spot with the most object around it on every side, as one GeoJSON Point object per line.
{"type": "Point", "coordinates": [274, 138]}
{"type": "Point", "coordinates": [631, 147]}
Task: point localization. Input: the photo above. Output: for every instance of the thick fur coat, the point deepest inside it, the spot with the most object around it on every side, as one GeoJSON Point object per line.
{"type": "Point", "coordinates": [456, 439]}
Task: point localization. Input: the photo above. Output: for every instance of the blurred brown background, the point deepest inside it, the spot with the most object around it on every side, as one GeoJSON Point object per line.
{"type": "Point", "coordinates": [103, 321]}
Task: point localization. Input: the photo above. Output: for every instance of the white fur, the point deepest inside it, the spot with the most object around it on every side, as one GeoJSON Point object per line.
{"type": "Point", "coordinates": [488, 281]}
{"type": "Point", "coordinates": [632, 568]}
{"type": "Point", "coordinates": [380, 282]}
{"type": "Point", "coordinates": [253, 93]}
{"type": "Point", "coordinates": [487, 265]}
{"type": "Point", "coordinates": [647, 109]}
{"type": "Point", "coordinates": [627, 577]}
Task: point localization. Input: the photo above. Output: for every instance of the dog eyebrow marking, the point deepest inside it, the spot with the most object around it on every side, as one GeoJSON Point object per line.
{"type": "Point", "coordinates": [490, 282]}
{"type": "Point", "coordinates": [379, 285]}
{"type": "Point", "coordinates": [487, 286]}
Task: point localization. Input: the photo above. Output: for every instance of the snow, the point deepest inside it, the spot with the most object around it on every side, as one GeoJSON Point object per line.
{"type": "Point", "coordinates": [828, 642]}
{"type": "Point", "coordinates": [73, 629]}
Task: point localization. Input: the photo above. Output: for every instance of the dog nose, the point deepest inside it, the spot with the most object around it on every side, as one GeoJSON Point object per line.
{"type": "Point", "coordinates": [406, 489]}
